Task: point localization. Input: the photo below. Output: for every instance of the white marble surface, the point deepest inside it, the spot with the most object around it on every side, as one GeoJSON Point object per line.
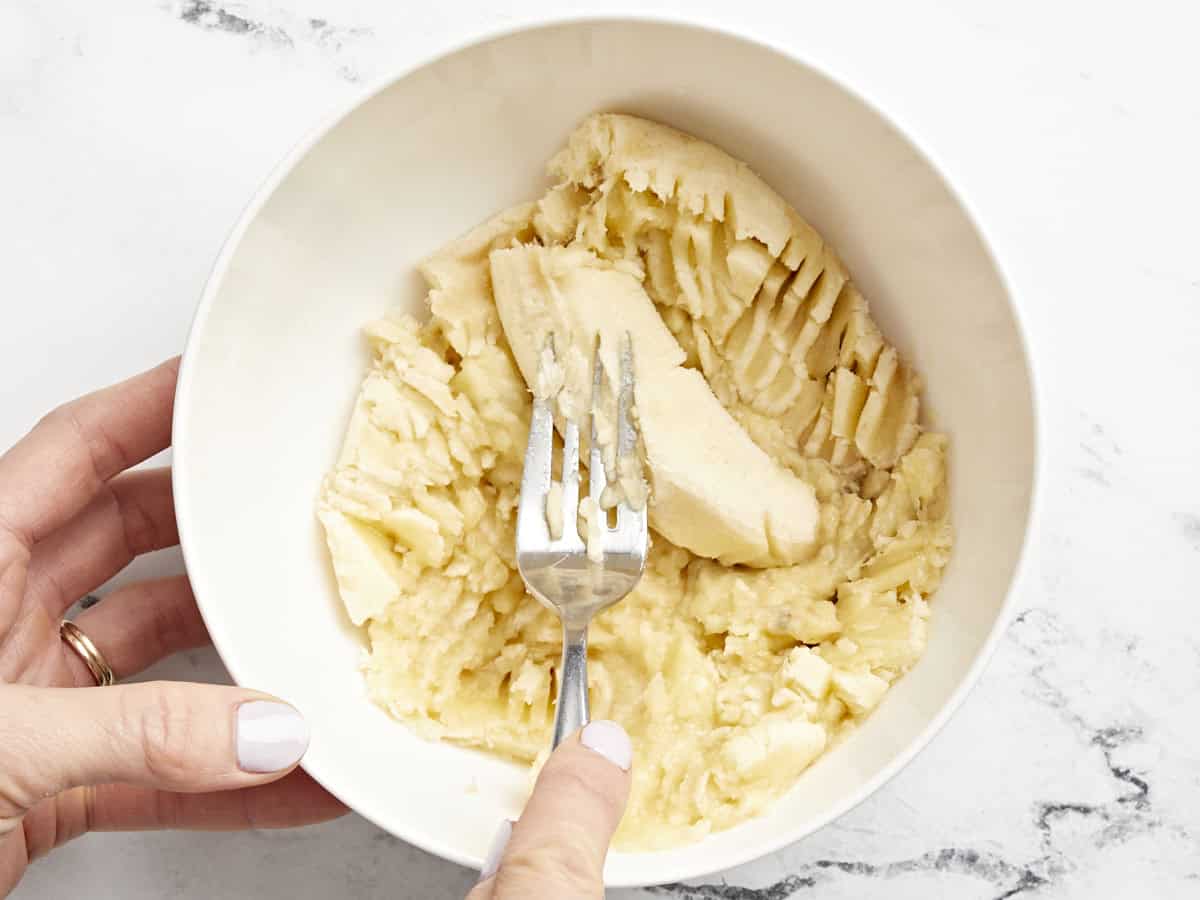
{"type": "Point", "coordinates": [132, 131]}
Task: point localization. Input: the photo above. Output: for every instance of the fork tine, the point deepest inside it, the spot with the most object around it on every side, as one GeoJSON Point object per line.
{"type": "Point", "coordinates": [626, 433]}
{"type": "Point", "coordinates": [535, 480]}
{"type": "Point", "coordinates": [532, 526]}
{"type": "Point", "coordinates": [599, 479]}
{"type": "Point", "coordinates": [570, 482]}
{"type": "Point", "coordinates": [631, 523]}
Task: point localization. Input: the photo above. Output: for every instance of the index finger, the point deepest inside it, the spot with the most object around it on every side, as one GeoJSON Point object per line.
{"type": "Point", "coordinates": [52, 472]}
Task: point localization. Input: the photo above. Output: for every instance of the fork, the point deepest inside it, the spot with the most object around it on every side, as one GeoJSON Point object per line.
{"type": "Point", "coordinates": [578, 579]}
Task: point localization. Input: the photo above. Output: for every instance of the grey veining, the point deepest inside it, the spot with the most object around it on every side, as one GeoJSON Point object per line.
{"type": "Point", "coordinates": [278, 28]}
{"type": "Point", "coordinates": [1071, 770]}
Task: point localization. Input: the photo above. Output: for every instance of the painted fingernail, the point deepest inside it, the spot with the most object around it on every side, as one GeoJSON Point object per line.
{"type": "Point", "coordinates": [610, 741]}
{"type": "Point", "coordinates": [270, 736]}
{"type": "Point", "coordinates": [496, 850]}
{"type": "Point", "coordinates": [89, 601]}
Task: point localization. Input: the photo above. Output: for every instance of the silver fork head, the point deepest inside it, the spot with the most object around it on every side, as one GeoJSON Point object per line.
{"type": "Point", "coordinates": [624, 546]}
{"type": "Point", "coordinates": [559, 570]}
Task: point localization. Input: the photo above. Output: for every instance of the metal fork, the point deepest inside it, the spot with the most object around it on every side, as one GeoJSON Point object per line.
{"type": "Point", "coordinates": [559, 571]}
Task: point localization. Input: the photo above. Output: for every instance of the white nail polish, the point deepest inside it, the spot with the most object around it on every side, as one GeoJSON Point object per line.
{"type": "Point", "coordinates": [496, 850]}
{"type": "Point", "coordinates": [610, 741]}
{"type": "Point", "coordinates": [270, 736]}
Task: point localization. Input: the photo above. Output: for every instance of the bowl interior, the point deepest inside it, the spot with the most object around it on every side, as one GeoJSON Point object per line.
{"type": "Point", "coordinates": [275, 358]}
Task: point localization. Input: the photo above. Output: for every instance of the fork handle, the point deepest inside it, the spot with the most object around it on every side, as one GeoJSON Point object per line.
{"type": "Point", "coordinates": [571, 707]}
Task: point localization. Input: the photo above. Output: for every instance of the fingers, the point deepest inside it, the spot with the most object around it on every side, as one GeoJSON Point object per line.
{"type": "Point", "coordinates": [557, 847]}
{"type": "Point", "coordinates": [164, 735]}
{"type": "Point", "coordinates": [13, 859]}
{"type": "Point", "coordinates": [132, 514]}
{"type": "Point", "coordinates": [140, 624]}
{"type": "Point", "coordinates": [291, 801]}
{"type": "Point", "coordinates": [54, 471]}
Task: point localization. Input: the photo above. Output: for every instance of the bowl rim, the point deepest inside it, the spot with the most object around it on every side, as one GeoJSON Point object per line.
{"type": "Point", "coordinates": [703, 865]}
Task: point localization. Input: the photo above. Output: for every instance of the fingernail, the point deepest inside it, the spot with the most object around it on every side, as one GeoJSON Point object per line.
{"type": "Point", "coordinates": [496, 850]}
{"type": "Point", "coordinates": [270, 736]}
{"type": "Point", "coordinates": [610, 741]}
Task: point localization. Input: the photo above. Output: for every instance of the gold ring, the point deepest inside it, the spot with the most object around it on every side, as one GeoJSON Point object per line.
{"type": "Point", "coordinates": [86, 650]}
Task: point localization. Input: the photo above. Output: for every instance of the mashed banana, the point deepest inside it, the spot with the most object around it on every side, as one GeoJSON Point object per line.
{"type": "Point", "coordinates": [731, 680]}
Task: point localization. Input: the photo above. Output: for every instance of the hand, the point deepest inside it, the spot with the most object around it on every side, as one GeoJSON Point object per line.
{"type": "Point", "coordinates": [556, 850]}
{"type": "Point", "coordinates": [157, 755]}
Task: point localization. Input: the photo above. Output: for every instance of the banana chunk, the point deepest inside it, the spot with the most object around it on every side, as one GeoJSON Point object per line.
{"type": "Point", "coordinates": [763, 306]}
{"type": "Point", "coordinates": [712, 489]}
{"type": "Point", "coordinates": [367, 569]}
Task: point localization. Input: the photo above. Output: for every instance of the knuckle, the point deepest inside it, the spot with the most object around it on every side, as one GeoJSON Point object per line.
{"type": "Point", "coordinates": [14, 549]}
{"type": "Point", "coordinates": [61, 416]}
{"type": "Point", "coordinates": [21, 789]}
{"type": "Point", "coordinates": [166, 626]}
{"type": "Point", "coordinates": [141, 531]}
{"type": "Point", "coordinates": [65, 418]}
{"type": "Point", "coordinates": [569, 781]}
{"type": "Point", "coordinates": [565, 868]}
{"type": "Point", "coordinates": [161, 719]}
{"type": "Point", "coordinates": [104, 452]}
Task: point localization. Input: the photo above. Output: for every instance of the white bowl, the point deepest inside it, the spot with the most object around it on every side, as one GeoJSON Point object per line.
{"type": "Point", "coordinates": [275, 357]}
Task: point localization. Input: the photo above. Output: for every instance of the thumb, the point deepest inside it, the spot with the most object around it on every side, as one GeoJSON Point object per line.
{"type": "Point", "coordinates": [557, 848]}
{"type": "Point", "coordinates": [167, 735]}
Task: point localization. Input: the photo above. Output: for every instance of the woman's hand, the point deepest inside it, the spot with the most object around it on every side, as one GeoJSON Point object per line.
{"type": "Point", "coordinates": [556, 850]}
{"type": "Point", "coordinates": [157, 755]}
{"type": "Point", "coordinates": [168, 755]}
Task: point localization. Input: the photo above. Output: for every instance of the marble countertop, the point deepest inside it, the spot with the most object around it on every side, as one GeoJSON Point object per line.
{"type": "Point", "coordinates": [131, 134]}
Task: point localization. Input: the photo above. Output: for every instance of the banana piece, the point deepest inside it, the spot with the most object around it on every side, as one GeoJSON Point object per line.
{"type": "Point", "coordinates": [367, 568]}
{"type": "Point", "coordinates": [713, 490]}
{"type": "Point", "coordinates": [760, 302]}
